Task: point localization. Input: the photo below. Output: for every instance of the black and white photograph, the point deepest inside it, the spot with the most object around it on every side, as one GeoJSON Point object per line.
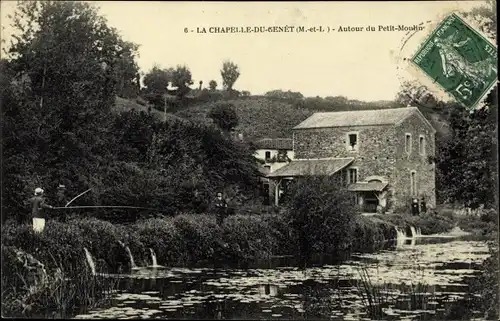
{"type": "Point", "coordinates": [204, 160]}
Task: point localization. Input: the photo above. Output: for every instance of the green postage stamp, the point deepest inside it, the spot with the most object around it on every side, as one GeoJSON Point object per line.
{"type": "Point", "coordinates": [460, 60]}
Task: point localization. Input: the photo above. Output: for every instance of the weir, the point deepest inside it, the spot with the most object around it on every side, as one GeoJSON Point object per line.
{"type": "Point", "coordinates": [132, 262]}
{"type": "Point", "coordinates": [90, 261]}
{"type": "Point", "coordinates": [130, 256]}
{"type": "Point", "coordinates": [153, 257]}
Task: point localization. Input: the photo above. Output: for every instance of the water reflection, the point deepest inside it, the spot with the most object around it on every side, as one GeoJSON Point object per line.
{"type": "Point", "coordinates": [420, 279]}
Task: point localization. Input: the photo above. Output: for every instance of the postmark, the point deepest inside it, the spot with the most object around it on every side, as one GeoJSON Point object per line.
{"type": "Point", "coordinates": [460, 60]}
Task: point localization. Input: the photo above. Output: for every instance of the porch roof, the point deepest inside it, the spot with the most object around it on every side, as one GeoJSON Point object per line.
{"type": "Point", "coordinates": [367, 187]}
{"type": "Point", "coordinates": [302, 167]}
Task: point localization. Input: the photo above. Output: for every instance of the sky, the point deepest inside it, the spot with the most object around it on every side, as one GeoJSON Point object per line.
{"type": "Point", "coordinates": [359, 65]}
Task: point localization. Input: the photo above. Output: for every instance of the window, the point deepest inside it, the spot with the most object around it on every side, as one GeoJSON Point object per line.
{"type": "Point", "coordinates": [352, 141]}
{"type": "Point", "coordinates": [268, 156]}
{"type": "Point", "coordinates": [421, 145]}
{"type": "Point", "coordinates": [268, 168]}
{"type": "Point", "coordinates": [353, 175]}
{"type": "Point", "coordinates": [413, 183]}
{"type": "Point", "coordinates": [408, 143]}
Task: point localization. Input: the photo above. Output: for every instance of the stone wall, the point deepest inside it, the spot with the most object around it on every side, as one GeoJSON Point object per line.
{"type": "Point", "coordinates": [406, 162]}
{"type": "Point", "coordinates": [376, 154]}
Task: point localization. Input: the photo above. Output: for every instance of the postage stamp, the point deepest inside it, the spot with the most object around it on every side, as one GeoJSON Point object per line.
{"type": "Point", "coordinates": [460, 60]}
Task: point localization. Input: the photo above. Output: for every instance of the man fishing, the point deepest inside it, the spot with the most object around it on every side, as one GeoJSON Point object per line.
{"type": "Point", "coordinates": [220, 208]}
{"type": "Point", "coordinates": [62, 199]}
{"type": "Point", "coordinates": [37, 212]}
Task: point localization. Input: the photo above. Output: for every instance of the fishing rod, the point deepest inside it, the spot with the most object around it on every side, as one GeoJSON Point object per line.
{"type": "Point", "coordinates": [109, 206]}
{"type": "Point", "coordinates": [77, 197]}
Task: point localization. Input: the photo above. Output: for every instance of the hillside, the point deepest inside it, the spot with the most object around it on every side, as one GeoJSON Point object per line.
{"type": "Point", "coordinates": [122, 104]}
{"type": "Point", "coordinates": [258, 117]}
{"type": "Point", "coordinates": [263, 117]}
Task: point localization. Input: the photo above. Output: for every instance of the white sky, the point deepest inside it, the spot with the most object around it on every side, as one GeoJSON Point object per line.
{"type": "Point", "coordinates": [356, 65]}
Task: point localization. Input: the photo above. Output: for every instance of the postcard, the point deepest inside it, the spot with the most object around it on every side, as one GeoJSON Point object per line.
{"type": "Point", "coordinates": [250, 160]}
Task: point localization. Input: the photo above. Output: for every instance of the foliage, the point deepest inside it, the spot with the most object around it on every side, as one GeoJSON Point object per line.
{"type": "Point", "coordinates": [212, 85]}
{"type": "Point", "coordinates": [224, 115]}
{"type": "Point", "coordinates": [466, 162]}
{"type": "Point", "coordinates": [320, 214]}
{"type": "Point", "coordinates": [59, 295]}
{"type": "Point", "coordinates": [182, 78]}
{"type": "Point", "coordinates": [486, 285]}
{"type": "Point", "coordinates": [59, 99]}
{"type": "Point", "coordinates": [280, 94]}
{"type": "Point", "coordinates": [230, 73]}
{"type": "Point", "coordinates": [482, 221]}
{"type": "Point", "coordinates": [61, 122]}
{"type": "Point", "coordinates": [429, 223]}
{"type": "Point", "coordinates": [157, 80]}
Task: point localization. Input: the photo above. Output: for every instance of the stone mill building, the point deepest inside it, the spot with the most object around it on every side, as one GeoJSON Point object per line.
{"type": "Point", "coordinates": [384, 156]}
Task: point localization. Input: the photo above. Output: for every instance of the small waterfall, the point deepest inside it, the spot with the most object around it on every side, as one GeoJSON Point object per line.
{"type": "Point", "coordinates": [153, 257]}
{"type": "Point", "coordinates": [400, 233]}
{"type": "Point", "coordinates": [90, 260]}
{"type": "Point", "coordinates": [415, 232]}
{"type": "Point", "coordinates": [131, 257]}
{"type": "Point", "coordinates": [132, 263]}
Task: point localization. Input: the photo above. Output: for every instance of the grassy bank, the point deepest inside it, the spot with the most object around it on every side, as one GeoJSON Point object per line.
{"type": "Point", "coordinates": [432, 222]}
{"type": "Point", "coordinates": [180, 241]}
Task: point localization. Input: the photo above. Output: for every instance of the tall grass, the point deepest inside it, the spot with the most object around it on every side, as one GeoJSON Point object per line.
{"type": "Point", "coordinates": [375, 298]}
{"type": "Point", "coordinates": [60, 294]}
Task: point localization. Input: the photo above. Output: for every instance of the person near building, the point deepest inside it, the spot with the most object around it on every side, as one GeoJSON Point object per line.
{"type": "Point", "coordinates": [414, 206]}
{"type": "Point", "coordinates": [423, 205]}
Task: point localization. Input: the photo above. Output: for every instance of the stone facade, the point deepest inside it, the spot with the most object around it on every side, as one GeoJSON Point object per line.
{"type": "Point", "coordinates": [380, 155]}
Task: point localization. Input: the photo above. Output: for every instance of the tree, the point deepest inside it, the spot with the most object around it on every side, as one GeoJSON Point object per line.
{"type": "Point", "coordinates": [225, 116]}
{"type": "Point", "coordinates": [126, 71]}
{"type": "Point", "coordinates": [182, 79]}
{"type": "Point", "coordinates": [157, 80]}
{"type": "Point", "coordinates": [230, 73]}
{"type": "Point", "coordinates": [212, 85]}
{"type": "Point", "coordinates": [65, 60]}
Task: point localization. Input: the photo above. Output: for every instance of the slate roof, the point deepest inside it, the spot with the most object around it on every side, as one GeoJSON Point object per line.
{"type": "Point", "coordinates": [275, 143]}
{"type": "Point", "coordinates": [303, 167]}
{"type": "Point", "coordinates": [389, 116]}
{"type": "Point", "coordinates": [366, 187]}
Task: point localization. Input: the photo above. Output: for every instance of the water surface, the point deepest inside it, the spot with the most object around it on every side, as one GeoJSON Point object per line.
{"type": "Point", "coordinates": [418, 278]}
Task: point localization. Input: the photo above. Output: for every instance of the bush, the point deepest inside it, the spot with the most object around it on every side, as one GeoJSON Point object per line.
{"type": "Point", "coordinates": [320, 215]}
{"type": "Point", "coordinates": [429, 223]}
{"type": "Point", "coordinates": [484, 221]}
{"type": "Point", "coordinates": [245, 238]}
{"type": "Point", "coordinates": [162, 236]}
{"type": "Point", "coordinates": [370, 233]}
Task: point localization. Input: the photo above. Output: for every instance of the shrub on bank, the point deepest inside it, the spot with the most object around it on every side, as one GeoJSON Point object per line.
{"type": "Point", "coordinates": [162, 236]}
{"type": "Point", "coordinates": [370, 233]}
{"type": "Point", "coordinates": [429, 223]}
{"type": "Point", "coordinates": [482, 221]}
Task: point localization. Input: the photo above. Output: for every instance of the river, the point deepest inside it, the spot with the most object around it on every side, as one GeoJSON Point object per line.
{"type": "Point", "coordinates": [413, 278]}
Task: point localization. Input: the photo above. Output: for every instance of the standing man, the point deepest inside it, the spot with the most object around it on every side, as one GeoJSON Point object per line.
{"type": "Point", "coordinates": [423, 205]}
{"type": "Point", "coordinates": [61, 195]}
{"type": "Point", "coordinates": [220, 208]}
{"type": "Point", "coordinates": [414, 206]}
{"type": "Point", "coordinates": [38, 205]}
